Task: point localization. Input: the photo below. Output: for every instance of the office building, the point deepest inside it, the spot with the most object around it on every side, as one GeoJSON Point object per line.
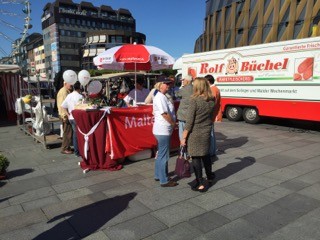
{"type": "Point", "coordinates": [231, 23]}
{"type": "Point", "coordinates": [65, 26]}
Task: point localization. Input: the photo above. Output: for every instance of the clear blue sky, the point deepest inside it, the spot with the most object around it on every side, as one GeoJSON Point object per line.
{"type": "Point", "coordinates": [172, 25]}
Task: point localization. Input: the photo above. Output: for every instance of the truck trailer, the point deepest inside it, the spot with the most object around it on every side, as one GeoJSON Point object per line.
{"type": "Point", "coordinates": [280, 79]}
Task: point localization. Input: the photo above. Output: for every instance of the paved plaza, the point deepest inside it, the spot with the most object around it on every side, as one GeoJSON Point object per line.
{"type": "Point", "coordinates": [268, 187]}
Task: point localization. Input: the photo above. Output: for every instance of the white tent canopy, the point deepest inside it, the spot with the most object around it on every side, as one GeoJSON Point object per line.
{"type": "Point", "coordinates": [9, 68]}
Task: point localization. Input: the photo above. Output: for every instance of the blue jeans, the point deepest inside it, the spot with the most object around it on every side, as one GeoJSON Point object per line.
{"type": "Point", "coordinates": [213, 142]}
{"type": "Point", "coordinates": [181, 128]}
{"type": "Point", "coordinates": [74, 137]}
{"type": "Point", "coordinates": [161, 165]}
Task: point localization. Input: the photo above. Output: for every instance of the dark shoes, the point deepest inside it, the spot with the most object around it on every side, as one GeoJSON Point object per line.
{"type": "Point", "coordinates": [170, 184]}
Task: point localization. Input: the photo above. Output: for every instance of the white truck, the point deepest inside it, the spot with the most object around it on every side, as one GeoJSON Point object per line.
{"type": "Point", "coordinates": [280, 79]}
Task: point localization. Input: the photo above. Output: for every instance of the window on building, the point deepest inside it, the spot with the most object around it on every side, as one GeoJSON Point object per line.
{"type": "Point", "coordinates": [67, 20]}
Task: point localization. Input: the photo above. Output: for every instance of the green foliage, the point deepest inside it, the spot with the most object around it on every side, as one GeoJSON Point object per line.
{"type": "Point", "coordinates": [4, 163]}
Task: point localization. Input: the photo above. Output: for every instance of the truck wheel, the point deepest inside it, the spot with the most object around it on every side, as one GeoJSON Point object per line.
{"type": "Point", "coordinates": [234, 113]}
{"type": "Point", "coordinates": [251, 115]}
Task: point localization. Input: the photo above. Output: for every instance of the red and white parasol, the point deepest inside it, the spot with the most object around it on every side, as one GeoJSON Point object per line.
{"type": "Point", "coordinates": [134, 57]}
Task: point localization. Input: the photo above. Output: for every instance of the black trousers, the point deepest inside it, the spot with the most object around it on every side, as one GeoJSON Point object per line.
{"type": "Point", "coordinates": [197, 163]}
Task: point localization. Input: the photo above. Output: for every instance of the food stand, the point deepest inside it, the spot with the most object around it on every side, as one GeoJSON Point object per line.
{"type": "Point", "coordinates": [108, 135]}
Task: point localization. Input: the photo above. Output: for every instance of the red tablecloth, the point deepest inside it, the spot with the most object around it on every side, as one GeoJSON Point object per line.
{"type": "Point", "coordinates": [121, 133]}
{"type": "Point", "coordinates": [97, 158]}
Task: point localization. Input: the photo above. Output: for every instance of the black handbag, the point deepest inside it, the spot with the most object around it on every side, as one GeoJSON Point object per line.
{"type": "Point", "coordinates": [183, 166]}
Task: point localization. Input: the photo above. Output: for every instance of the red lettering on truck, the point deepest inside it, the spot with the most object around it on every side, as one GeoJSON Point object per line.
{"type": "Point", "coordinates": [266, 66]}
{"type": "Point", "coordinates": [216, 68]}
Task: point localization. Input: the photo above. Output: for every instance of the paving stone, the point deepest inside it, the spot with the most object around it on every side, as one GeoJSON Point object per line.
{"type": "Point", "coordinates": [208, 221]}
{"type": "Point", "coordinates": [304, 228]}
{"type": "Point", "coordinates": [131, 178]}
{"type": "Point", "coordinates": [311, 178]}
{"type": "Point", "coordinates": [158, 198]}
{"type": "Point", "coordinates": [239, 230]}
{"type": "Point", "coordinates": [278, 160]}
{"type": "Point", "coordinates": [271, 217]}
{"type": "Point", "coordinates": [32, 195]}
{"type": "Point", "coordinates": [71, 205]}
{"type": "Point", "coordinates": [306, 166]}
{"type": "Point", "coordinates": [137, 228]}
{"type": "Point", "coordinates": [294, 185]}
{"type": "Point", "coordinates": [74, 194]}
{"type": "Point", "coordinates": [39, 203]}
{"type": "Point", "coordinates": [103, 186]}
{"type": "Point", "coordinates": [48, 231]}
{"type": "Point", "coordinates": [127, 188]}
{"type": "Point", "coordinates": [312, 191]}
{"type": "Point", "coordinates": [235, 210]}
{"type": "Point", "coordinates": [213, 200]}
{"type": "Point", "coordinates": [100, 235]}
{"type": "Point", "coordinates": [242, 189]}
{"type": "Point", "coordinates": [106, 213]}
{"type": "Point", "coordinates": [67, 176]}
{"type": "Point", "coordinates": [258, 200]}
{"type": "Point", "coordinates": [183, 231]}
{"type": "Point", "coordinates": [178, 213]}
{"type": "Point", "coordinates": [11, 210]}
{"type": "Point", "coordinates": [20, 220]}
{"type": "Point", "coordinates": [72, 185]}
{"type": "Point", "coordinates": [276, 192]}
{"type": "Point", "coordinates": [20, 187]}
{"type": "Point", "coordinates": [298, 203]}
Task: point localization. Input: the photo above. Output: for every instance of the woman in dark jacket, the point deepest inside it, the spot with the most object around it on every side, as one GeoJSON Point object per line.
{"type": "Point", "coordinates": [198, 129]}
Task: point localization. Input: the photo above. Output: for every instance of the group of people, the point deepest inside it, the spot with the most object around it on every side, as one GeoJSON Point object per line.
{"type": "Point", "coordinates": [199, 108]}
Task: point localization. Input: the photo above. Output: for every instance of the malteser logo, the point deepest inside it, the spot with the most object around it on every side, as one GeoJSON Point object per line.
{"type": "Point", "coordinates": [133, 122]}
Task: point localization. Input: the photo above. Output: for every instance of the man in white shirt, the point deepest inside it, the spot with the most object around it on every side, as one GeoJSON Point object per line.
{"type": "Point", "coordinates": [142, 94]}
{"type": "Point", "coordinates": [68, 104]}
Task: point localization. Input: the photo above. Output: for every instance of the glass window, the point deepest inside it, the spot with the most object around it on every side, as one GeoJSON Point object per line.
{"type": "Point", "coordinates": [67, 20]}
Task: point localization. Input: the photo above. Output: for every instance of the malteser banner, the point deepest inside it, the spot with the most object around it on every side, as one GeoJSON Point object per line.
{"type": "Point", "coordinates": [130, 131]}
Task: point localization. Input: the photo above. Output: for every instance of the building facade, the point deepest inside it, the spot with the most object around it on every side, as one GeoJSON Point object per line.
{"type": "Point", "coordinates": [100, 40]}
{"type": "Point", "coordinates": [235, 23]}
{"type": "Point", "coordinates": [65, 26]}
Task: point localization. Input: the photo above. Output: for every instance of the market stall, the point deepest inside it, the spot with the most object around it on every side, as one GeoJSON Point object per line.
{"type": "Point", "coordinates": [107, 136]}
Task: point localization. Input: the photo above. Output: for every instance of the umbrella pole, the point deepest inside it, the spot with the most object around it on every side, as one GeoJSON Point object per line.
{"type": "Point", "coordinates": [135, 84]}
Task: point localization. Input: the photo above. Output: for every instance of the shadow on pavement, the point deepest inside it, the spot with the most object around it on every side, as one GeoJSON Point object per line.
{"type": "Point", "coordinates": [19, 172]}
{"type": "Point", "coordinates": [224, 143]}
{"type": "Point", "coordinates": [87, 219]}
{"type": "Point", "coordinates": [228, 170]}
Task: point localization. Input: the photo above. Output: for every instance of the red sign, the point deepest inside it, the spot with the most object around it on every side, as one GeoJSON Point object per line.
{"type": "Point", "coordinates": [130, 131]}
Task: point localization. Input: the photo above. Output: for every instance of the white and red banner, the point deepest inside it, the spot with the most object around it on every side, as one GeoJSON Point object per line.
{"type": "Point", "coordinates": [130, 131]}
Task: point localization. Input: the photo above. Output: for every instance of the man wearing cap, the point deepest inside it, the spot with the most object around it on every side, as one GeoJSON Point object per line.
{"type": "Point", "coordinates": [140, 91]}
{"type": "Point", "coordinates": [164, 122]}
{"type": "Point", "coordinates": [184, 95]}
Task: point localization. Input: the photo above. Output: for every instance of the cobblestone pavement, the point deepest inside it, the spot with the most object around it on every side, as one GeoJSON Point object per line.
{"type": "Point", "coordinates": [268, 187]}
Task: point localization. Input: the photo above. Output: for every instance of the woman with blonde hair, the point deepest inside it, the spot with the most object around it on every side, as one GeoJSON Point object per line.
{"type": "Point", "coordinates": [196, 134]}
{"type": "Point", "coordinates": [153, 92]}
